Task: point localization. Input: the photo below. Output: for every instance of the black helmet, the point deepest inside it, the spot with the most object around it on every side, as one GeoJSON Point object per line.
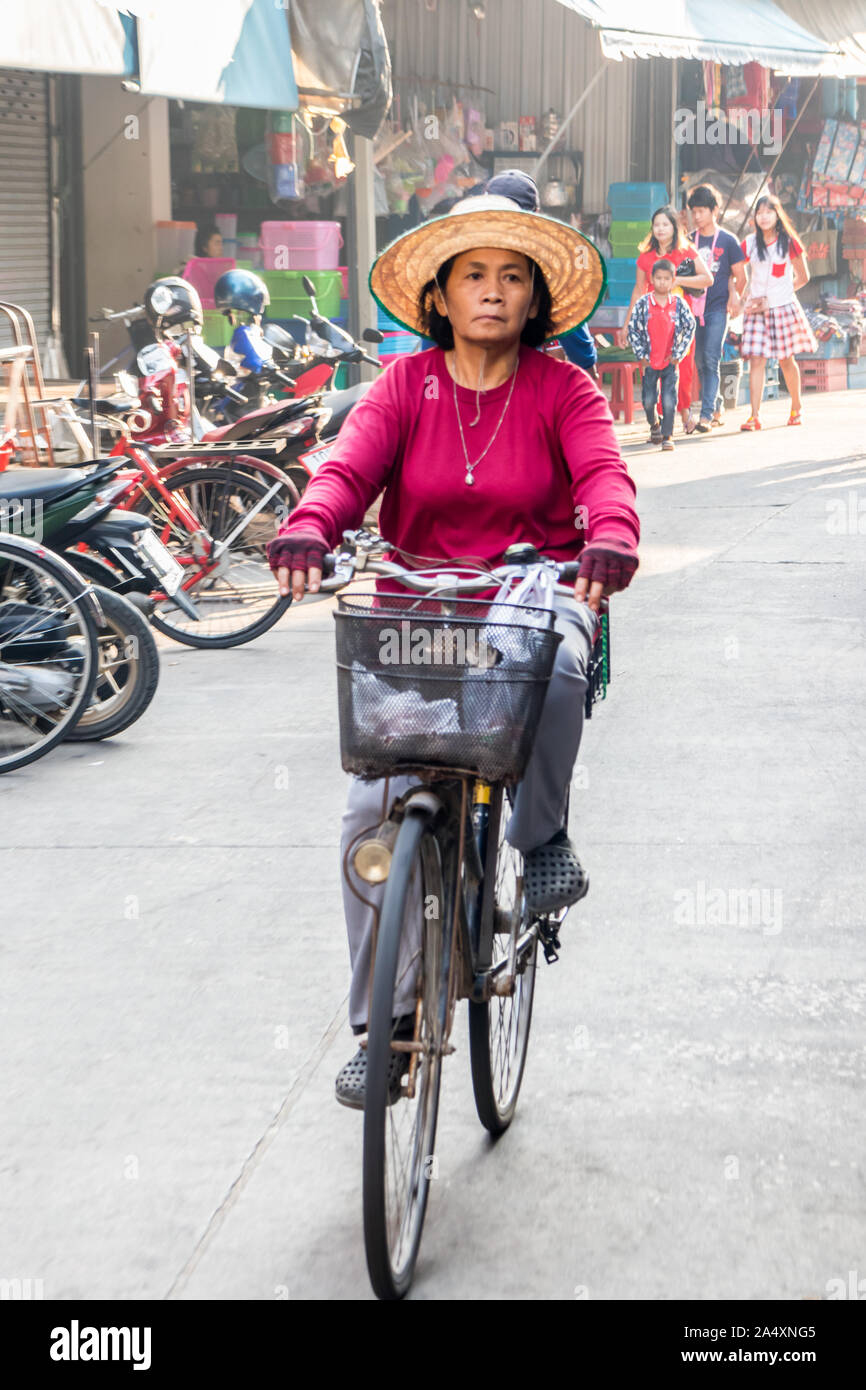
{"type": "Point", "coordinates": [173, 303]}
{"type": "Point", "coordinates": [241, 290]}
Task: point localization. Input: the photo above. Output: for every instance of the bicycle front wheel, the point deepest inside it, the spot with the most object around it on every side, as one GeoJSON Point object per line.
{"type": "Point", "coordinates": [499, 1027]}
{"type": "Point", "coordinates": [411, 977]}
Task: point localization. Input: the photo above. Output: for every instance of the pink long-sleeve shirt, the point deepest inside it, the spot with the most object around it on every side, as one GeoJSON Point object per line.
{"type": "Point", "coordinates": [553, 475]}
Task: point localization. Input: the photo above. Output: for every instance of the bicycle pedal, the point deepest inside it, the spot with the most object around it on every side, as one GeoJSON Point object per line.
{"type": "Point", "coordinates": [550, 942]}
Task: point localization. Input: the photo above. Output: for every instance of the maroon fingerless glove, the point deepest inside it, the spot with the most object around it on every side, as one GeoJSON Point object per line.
{"type": "Point", "coordinates": [298, 550]}
{"type": "Point", "coordinates": [613, 568]}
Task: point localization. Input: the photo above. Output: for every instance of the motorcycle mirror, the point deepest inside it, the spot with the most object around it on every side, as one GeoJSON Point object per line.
{"type": "Point", "coordinates": [205, 354]}
{"type": "Point", "coordinates": [332, 333]}
{"type": "Point", "coordinates": [309, 287]}
{"type": "Point", "coordinates": [372, 335]}
{"type": "Point", "coordinates": [279, 338]}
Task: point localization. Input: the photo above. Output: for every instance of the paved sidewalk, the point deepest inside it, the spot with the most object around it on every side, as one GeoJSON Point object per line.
{"type": "Point", "coordinates": [691, 1125]}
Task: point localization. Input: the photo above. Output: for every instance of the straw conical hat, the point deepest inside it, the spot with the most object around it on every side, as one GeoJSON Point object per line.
{"type": "Point", "coordinates": [571, 265]}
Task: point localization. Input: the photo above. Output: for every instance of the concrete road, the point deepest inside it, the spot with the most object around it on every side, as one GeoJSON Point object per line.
{"type": "Point", "coordinates": [174, 969]}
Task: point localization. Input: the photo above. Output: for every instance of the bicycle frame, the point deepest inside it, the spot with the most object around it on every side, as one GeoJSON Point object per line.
{"type": "Point", "coordinates": [469, 856]}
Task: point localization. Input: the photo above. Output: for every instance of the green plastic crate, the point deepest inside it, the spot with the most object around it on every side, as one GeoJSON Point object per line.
{"type": "Point", "coordinates": [289, 298]}
{"type": "Point", "coordinates": [627, 235]}
{"type": "Point", "coordinates": [217, 330]}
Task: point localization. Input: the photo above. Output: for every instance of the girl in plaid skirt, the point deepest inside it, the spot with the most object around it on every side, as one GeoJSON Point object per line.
{"type": "Point", "coordinates": [774, 324]}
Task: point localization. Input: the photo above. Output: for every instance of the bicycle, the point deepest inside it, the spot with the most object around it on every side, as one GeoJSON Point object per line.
{"type": "Point", "coordinates": [215, 511]}
{"type": "Point", "coordinates": [49, 627]}
{"type": "Point", "coordinates": [453, 923]}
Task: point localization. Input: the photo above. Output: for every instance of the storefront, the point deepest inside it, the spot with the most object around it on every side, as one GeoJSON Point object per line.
{"type": "Point", "coordinates": [248, 133]}
{"type": "Point", "coordinates": [261, 189]}
{"type": "Point", "coordinates": [25, 204]}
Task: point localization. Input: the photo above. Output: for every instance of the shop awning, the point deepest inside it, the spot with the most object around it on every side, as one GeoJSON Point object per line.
{"type": "Point", "coordinates": [838, 22]}
{"type": "Point", "coordinates": [233, 51]}
{"type": "Point", "coordinates": [720, 31]}
{"type": "Point", "coordinates": [85, 36]}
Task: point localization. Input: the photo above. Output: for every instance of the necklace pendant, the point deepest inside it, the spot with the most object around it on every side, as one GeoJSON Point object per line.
{"type": "Point", "coordinates": [469, 480]}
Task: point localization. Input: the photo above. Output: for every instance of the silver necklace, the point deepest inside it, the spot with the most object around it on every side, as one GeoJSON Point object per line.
{"type": "Point", "coordinates": [471, 467]}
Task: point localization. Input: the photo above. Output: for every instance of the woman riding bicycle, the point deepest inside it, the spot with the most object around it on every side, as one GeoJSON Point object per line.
{"type": "Point", "coordinates": [476, 444]}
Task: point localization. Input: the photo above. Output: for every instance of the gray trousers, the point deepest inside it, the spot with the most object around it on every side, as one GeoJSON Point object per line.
{"type": "Point", "coordinates": [539, 806]}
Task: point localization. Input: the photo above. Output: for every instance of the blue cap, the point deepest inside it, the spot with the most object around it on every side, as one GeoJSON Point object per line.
{"type": "Point", "coordinates": [514, 184]}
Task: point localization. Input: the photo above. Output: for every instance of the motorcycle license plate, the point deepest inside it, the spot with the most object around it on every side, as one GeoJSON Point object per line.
{"type": "Point", "coordinates": [314, 458]}
{"type": "Point", "coordinates": [161, 559]}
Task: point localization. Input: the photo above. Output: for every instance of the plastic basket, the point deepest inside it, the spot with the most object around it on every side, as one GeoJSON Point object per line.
{"type": "Point", "coordinates": [635, 202]}
{"type": "Point", "coordinates": [202, 272]}
{"type": "Point", "coordinates": [419, 688]}
{"type": "Point", "coordinates": [301, 245]}
{"type": "Point", "coordinates": [217, 330]}
{"type": "Point", "coordinates": [289, 298]}
{"type": "Point", "coordinates": [398, 344]}
{"type": "Point", "coordinates": [624, 237]}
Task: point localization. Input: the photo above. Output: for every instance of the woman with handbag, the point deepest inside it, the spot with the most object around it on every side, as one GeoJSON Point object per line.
{"type": "Point", "coordinates": [667, 241]}
{"type": "Point", "coordinates": [774, 324]}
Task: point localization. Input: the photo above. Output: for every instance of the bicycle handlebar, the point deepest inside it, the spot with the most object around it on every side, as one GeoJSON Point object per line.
{"type": "Point", "coordinates": [459, 580]}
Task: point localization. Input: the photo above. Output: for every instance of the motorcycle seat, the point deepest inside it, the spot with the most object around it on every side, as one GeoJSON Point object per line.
{"type": "Point", "coordinates": [106, 407]}
{"type": "Point", "coordinates": [39, 482]}
{"type": "Point", "coordinates": [341, 402]}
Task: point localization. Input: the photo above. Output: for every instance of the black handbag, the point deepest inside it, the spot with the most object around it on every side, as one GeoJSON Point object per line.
{"type": "Point", "coordinates": [688, 267]}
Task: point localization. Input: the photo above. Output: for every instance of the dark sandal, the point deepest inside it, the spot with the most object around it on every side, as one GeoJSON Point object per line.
{"type": "Point", "coordinates": [351, 1083]}
{"type": "Point", "coordinates": [553, 877]}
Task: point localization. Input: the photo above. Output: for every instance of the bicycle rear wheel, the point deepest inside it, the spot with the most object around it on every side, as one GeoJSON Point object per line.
{"type": "Point", "coordinates": [238, 600]}
{"type": "Point", "coordinates": [499, 1027]}
{"type": "Point", "coordinates": [411, 973]}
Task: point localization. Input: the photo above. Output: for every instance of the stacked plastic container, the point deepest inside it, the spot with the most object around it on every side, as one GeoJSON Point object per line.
{"type": "Point", "coordinates": [632, 206]}
{"type": "Point", "coordinates": [397, 342]}
{"type": "Point", "coordinates": [291, 250]}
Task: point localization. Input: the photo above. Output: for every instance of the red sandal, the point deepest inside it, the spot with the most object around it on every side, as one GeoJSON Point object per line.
{"type": "Point", "coordinates": [753, 423]}
{"type": "Point", "coordinates": [795, 418]}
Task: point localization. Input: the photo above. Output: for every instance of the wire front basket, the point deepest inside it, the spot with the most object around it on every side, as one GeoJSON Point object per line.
{"type": "Point", "coordinates": [432, 682]}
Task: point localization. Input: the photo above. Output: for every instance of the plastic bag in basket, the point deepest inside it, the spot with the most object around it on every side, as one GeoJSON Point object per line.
{"type": "Point", "coordinates": [385, 711]}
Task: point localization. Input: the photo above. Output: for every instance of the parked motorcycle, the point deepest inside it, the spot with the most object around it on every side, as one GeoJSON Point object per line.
{"type": "Point", "coordinates": [71, 512]}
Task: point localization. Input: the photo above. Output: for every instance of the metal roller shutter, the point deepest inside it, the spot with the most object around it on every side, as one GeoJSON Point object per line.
{"type": "Point", "coordinates": [25, 212]}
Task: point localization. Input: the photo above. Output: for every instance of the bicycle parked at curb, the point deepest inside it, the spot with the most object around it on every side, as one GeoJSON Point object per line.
{"type": "Point", "coordinates": [50, 620]}
{"type": "Point", "coordinates": [453, 923]}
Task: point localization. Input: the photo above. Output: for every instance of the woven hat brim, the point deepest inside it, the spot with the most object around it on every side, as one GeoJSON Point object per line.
{"type": "Point", "coordinates": [572, 266]}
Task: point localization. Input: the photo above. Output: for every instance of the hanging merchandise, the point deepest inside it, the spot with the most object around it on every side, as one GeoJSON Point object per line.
{"type": "Point", "coordinates": [788, 98]}
{"type": "Point", "coordinates": [819, 248]}
{"type": "Point", "coordinates": [844, 150]}
{"type": "Point", "coordinates": [747, 88]}
{"type": "Point", "coordinates": [405, 161]}
{"type": "Point", "coordinates": [214, 141]}
{"type": "Point", "coordinates": [286, 143]}
{"type": "Point", "coordinates": [341, 48]}
{"type": "Point", "coordinates": [825, 145]}
{"type": "Point", "coordinates": [735, 85]}
{"type": "Point", "coordinates": [857, 174]}
{"type": "Point", "coordinates": [339, 157]}
{"type": "Point", "coordinates": [550, 123]}
{"type": "Point", "coordinates": [474, 133]}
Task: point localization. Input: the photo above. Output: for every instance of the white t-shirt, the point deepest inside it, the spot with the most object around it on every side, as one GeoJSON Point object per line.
{"type": "Point", "coordinates": [772, 277]}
